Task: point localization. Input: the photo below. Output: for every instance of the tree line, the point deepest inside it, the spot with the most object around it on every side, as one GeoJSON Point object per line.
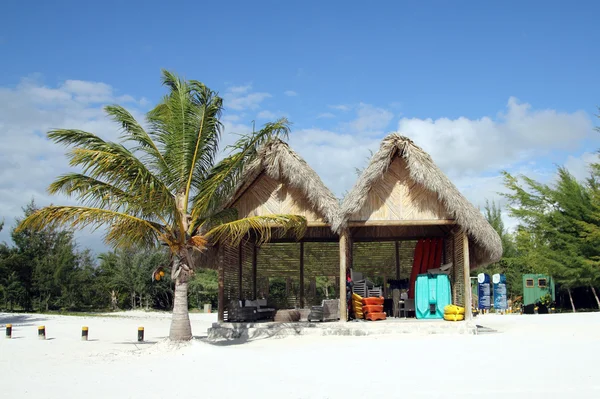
{"type": "Point", "coordinates": [45, 270]}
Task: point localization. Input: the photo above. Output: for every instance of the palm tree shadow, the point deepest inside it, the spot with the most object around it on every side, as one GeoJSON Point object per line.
{"type": "Point", "coordinates": [22, 320]}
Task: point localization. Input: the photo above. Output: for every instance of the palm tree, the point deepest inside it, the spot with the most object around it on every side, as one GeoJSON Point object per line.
{"type": "Point", "coordinates": [166, 186]}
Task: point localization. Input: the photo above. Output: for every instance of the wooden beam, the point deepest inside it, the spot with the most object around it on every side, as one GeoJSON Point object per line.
{"type": "Point", "coordinates": [343, 269]}
{"type": "Point", "coordinates": [317, 224]}
{"type": "Point", "coordinates": [467, 277]}
{"type": "Point", "coordinates": [254, 270]}
{"type": "Point", "coordinates": [221, 298]}
{"type": "Point", "coordinates": [388, 239]}
{"type": "Point", "coordinates": [240, 272]}
{"type": "Point", "coordinates": [397, 246]}
{"type": "Point", "coordinates": [424, 222]}
{"type": "Point", "coordinates": [301, 275]}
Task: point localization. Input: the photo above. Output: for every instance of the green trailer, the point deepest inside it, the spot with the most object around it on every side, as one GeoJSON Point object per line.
{"type": "Point", "coordinates": [535, 286]}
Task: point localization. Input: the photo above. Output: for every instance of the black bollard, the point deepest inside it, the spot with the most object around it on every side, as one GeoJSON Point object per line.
{"type": "Point", "coordinates": [9, 331]}
{"type": "Point", "coordinates": [42, 332]}
{"type": "Point", "coordinates": [140, 334]}
{"type": "Point", "coordinates": [84, 333]}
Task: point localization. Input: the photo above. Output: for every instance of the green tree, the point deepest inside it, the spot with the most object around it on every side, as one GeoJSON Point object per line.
{"type": "Point", "coordinates": [125, 278]}
{"type": "Point", "coordinates": [554, 218]}
{"type": "Point", "coordinates": [167, 186]}
{"type": "Point", "coordinates": [204, 287]}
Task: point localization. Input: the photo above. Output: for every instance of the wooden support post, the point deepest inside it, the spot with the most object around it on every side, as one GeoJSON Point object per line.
{"type": "Point", "coordinates": [397, 260]}
{"type": "Point", "coordinates": [221, 299]}
{"type": "Point", "coordinates": [301, 275]}
{"type": "Point", "coordinates": [254, 270]}
{"type": "Point", "coordinates": [240, 272]}
{"type": "Point", "coordinates": [467, 277]}
{"type": "Point", "coordinates": [343, 269]}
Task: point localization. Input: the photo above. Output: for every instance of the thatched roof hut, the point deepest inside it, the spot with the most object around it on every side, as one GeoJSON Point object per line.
{"type": "Point", "coordinates": [439, 198]}
{"type": "Point", "coordinates": [280, 181]}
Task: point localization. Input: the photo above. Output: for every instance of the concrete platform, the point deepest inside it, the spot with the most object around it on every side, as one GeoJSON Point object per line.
{"type": "Point", "coordinates": [248, 331]}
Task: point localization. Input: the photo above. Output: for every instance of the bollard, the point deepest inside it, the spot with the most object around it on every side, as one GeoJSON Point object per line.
{"type": "Point", "coordinates": [84, 333]}
{"type": "Point", "coordinates": [9, 331]}
{"type": "Point", "coordinates": [42, 332]}
{"type": "Point", "coordinates": [140, 334]}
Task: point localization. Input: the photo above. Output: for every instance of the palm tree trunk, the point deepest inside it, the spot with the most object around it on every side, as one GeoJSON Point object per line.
{"type": "Point", "coordinates": [181, 329]}
{"type": "Point", "coordinates": [571, 299]}
{"type": "Point", "coordinates": [595, 295]}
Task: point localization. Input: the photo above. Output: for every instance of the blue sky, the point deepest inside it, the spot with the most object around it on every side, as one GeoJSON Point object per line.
{"type": "Point", "coordinates": [482, 86]}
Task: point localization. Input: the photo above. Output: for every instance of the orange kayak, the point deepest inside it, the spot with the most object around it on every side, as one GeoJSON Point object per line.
{"type": "Point", "coordinates": [372, 301]}
{"type": "Point", "coordinates": [372, 308]}
{"type": "Point", "coordinates": [375, 316]}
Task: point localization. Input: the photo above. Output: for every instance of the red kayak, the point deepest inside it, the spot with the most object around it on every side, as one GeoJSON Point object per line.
{"type": "Point", "coordinates": [416, 268]}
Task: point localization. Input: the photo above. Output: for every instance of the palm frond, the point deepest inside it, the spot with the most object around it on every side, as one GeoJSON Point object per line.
{"type": "Point", "coordinates": [133, 131]}
{"type": "Point", "coordinates": [111, 162]}
{"type": "Point", "coordinates": [205, 224]}
{"type": "Point", "coordinates": [186, 124]}
{"type": "Point", "coordinates": [263, 226]}
{"type": "Point", "coordinates": [131, 233]}
{"type": "Point", "coordinates": [221, 181]}
{"type": "Point", "coordinates": [134, 230]}
{"type": "Point", "coordinates": [98, 194]}
{"type": "Point", "coordinates": [204, 144]}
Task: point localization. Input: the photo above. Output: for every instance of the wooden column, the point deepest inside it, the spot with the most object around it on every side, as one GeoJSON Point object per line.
{"type": "Point", "coordinates": [240, 272]}
{"type": "Point", "coordinates": [467, 277]}
{"type": "Point", "coordinates": [397, 259]}
{"type": "Point", "coordinates": [221, 299]}
{"type": "Point", "coordinates": [343, 267]}
{"type": "Point", "coordinates": [301, 275]}
{"type": "Point", "coordinates": [254, 270]}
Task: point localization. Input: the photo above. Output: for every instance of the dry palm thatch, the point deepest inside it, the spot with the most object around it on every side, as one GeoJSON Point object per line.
{"type": "Point", "coordinates": [278, 161]}
{"type": "Point", "coordinates": [487, 247]}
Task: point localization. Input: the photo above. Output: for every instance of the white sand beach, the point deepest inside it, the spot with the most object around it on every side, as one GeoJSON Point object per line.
{"type": "Point", "coordinates": [538, 356]}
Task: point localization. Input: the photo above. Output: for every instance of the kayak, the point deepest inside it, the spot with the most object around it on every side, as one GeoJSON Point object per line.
{"type": "Point", "coordinates": [454, 317]}
{"type": "Point", "coordinates": [454, 309]}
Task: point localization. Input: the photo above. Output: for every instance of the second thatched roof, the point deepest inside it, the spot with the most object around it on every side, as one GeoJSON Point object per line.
{"type": "Point", "coordinates": [278, 161]}
{"type": "Point", "coordinates": [486, 243]}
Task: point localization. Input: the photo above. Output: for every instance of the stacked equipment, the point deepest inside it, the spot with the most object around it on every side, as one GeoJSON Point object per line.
{"type": "Point", "coordinates": [373, 308]}
{"type": "Point", "coordinates": [357, 305]}
{"type": "Point", "coordinates": [454, 313]}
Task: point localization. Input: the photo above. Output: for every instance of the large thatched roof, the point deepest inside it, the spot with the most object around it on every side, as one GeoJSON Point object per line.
{"type": "Point", "coordinates": [278, 161]}
{"type": "Point", "coordinates": [486, 244]}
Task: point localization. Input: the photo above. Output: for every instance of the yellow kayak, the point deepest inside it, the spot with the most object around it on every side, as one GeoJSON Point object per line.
{"type": "Point", "coordinates": [454, 317]}
{"type": "Point", "coordinates": [454, 309]}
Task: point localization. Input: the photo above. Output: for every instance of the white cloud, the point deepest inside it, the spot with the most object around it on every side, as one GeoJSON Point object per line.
{"type": "Point", "coordinates": [325, 115]}
{"type": "Point", "coordinates": [29, 162]}
{"type": "Point", "coordinates": [580, 166]}
{"type": "Point", "coordinates": [518, 134]}
{"type": "Point", "coordinates": [334, 156]}
{"type": "Point", "coordinates": [290, 93]}
{"type": "Point", "coordinates": [340, 107]}
{"type": "Point", "coordinates": [370, 119]}
{"type": "Point", "coordinates": [239, 89]}
{"type": "Point", "coordinates": [241, 98]}
{"type": "Point", "coordinates": [265, 115]}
